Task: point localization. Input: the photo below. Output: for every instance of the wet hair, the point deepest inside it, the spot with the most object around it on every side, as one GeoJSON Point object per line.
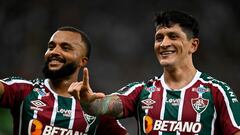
{"type": "Point", "coordinates": [84, 36]}
{"type": "Point", "coordinates": [187, 22]}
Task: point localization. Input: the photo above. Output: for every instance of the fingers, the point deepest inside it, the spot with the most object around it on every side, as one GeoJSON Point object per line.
{"type": "Point", "coordinates": [85, 77]}
{"type": "Point", "coordinates": [74, 90]}
{"type": "Point", "coordinates": [97, 95]}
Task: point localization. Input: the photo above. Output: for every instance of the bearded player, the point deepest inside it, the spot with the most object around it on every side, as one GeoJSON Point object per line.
{"type": "Point", "coordinates": [44, 107]}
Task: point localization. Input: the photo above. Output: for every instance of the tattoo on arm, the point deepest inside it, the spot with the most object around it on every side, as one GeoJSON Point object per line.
{"type": "Point", "coordinates": [110, 105]}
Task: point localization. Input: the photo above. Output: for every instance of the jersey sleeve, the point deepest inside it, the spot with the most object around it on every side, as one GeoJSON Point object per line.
{"type": "Point", "coordinates": [15, 89]}
{"type": "Point", "coordinates": [110, 126]}
{"type": "Point", "coordinates": [129, 96]}
{"type": "Point", "coordinates": [228, 109]}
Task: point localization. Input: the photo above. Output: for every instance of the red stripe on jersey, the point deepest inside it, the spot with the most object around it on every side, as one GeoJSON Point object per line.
{"type": "Point", "coordinates": [45, 116]}
{"type": "Point", "coordinates": [156, 111]}
{"type": "Point", "coordinates": [188, 113]}
{"type": "Point", "coordinates": [79, 122]}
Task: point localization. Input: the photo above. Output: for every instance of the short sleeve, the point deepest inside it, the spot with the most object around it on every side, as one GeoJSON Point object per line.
{"type": "Point", "coordinates": [227, 108]}
{"type": "Point", "coordinates": [110, 126]}
{"type": "Point", "coordinates": [15, 90]}
{"type": "Point", "coordinates": [129, 96]}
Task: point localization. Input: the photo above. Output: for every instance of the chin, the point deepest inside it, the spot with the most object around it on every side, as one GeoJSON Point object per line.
{"type": "Point", "coordinates": [166, 64]}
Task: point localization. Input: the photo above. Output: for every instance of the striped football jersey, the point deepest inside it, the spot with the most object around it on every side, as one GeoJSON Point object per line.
{"type": "Point", "coordinates": [38, 110]}
{"type": "Point", "coordinates": [205, 106]}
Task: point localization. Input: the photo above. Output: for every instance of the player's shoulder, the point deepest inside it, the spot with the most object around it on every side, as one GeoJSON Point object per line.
{"type": "Point", "coordinates": [18, 79]}
{"type": "Point", "coordinates": [210, 80]}
{"type": "Point", "coordinates": [143, 83]}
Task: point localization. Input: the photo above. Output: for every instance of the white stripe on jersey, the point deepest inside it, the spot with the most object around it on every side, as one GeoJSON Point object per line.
{"type": "Point", "coordinates": [55, 106]}
{"type": "Point", "coordinates": [129, 91]}
{"type": "Point", "coordinates": [213, 121]}
{"type": "Point", "coordinates": [180, 109]}
{"type": "Point", "coordinates": [16, 81]}
{"type": "Point", "coordinates": [228, 107]}
{"type": "Point", "coordinates": [35, 111]}
{"type": "Point", "coordinates": [55, 109]}
{"type": "Point", "coordinates": [20, 119]}
{"type": "Point", "coordinates": [226, 101]}
{"type": "Point", "coordinates": [163, 107]}
{"type": "Point", "coordinates": [73, 108]}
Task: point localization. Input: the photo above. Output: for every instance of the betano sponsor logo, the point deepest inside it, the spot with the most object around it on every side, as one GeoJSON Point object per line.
{"type": "Point", "coordinates": [170, 126]}
{"type": "Point", "coordinates": [35, 127]}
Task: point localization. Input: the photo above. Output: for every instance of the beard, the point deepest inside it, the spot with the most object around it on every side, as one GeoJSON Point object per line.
{"type": "Point", "coordinates": [66, 70]}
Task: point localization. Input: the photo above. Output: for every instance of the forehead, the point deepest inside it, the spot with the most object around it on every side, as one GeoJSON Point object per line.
{"type": "Point", "coordinates": [176, 28]}
{"type": "Point", "coordinates": [66, 37]}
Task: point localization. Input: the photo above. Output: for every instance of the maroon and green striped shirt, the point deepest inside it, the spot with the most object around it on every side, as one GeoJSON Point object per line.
{"type": "Point", "coordinates": [38, 110]}
{"type": "Point", "coordinates": [205, 106]}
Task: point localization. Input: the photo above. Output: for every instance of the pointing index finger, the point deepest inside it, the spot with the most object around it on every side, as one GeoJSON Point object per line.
{"type": "Point", "coordinates": [85, 77]}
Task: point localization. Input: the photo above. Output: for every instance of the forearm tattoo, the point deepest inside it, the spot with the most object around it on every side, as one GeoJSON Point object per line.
{"type": "Point", "coordinates": [110, 105]}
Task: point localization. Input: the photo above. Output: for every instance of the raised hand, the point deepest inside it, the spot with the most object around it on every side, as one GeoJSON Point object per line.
{"type": "Point", "coordinates": [82, 90]}
{"type": "Point", "coordinates": [95, 103]}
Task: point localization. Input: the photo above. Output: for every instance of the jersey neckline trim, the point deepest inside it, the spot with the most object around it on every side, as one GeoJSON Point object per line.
{"type": "Point", "coordinates": [194, 80]}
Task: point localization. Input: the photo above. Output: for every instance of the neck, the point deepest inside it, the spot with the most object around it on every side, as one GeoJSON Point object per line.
{"type": "Point", "coordinates": [177, 78]}
{"type": "Point", "coordinates": [60, 86]}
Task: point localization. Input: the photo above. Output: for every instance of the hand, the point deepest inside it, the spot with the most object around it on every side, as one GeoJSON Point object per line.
{"type": "Point", "coordinates": [82, 90]}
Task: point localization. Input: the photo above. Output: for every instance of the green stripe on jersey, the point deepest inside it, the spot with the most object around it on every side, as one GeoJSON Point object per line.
{"type": "Point", "coordinates": [64, 112]}
{"type": "Point", "coordinates": [229, 93]}
{"type": "Point", "coordinates": [172, 105]}
{"type": "Point", "coordinates": [207, 115]}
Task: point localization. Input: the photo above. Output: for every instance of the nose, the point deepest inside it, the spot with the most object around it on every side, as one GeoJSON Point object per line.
{"type": "Point", "coordinates": [165, 42]}
{"type": "Point", "coordinates": [55, 50]}
{"type": "Point", "coordinates": [52, 51]}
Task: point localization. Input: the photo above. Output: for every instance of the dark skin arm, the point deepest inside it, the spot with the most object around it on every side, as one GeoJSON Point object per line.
{"type": "Point", "coordinates": [237, 133]}
{"type": "Point", "coordinates": [95, 103]}
{"type": "Point", "coordinates": [1, 89]}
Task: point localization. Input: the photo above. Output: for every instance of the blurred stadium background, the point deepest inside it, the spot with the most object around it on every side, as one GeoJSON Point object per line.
{"type": "Point", "coordinates": [122, 33]}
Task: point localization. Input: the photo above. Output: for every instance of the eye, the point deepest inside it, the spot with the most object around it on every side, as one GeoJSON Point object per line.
{"type": "Point", "coordinates": [159, 38]}
{"type": "Point", "coordinates": [51, 46]}
{"type": "Point", "coordinates": [66, 47]}
{"type": "Point", "coordinates": [173, 36]}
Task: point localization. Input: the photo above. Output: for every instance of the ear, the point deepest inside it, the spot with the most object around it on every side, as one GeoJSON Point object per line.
{"type": "Point", "coordinates": [194, 46]}
{"type": "Point", "coordinates": [83, 61]}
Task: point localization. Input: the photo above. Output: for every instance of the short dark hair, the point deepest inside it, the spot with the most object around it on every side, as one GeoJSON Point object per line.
{"type": "Point", "coordinates": [84, 36]}
{"type": "Point", "coordinates": [186, 21]}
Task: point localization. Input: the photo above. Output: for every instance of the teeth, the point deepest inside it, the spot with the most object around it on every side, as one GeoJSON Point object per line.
{"type": "Point", "coordinates": [166, 53]}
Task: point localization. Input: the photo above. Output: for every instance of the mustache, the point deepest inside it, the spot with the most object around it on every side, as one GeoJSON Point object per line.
{"type": "Point", "coordinates": [57, 58]}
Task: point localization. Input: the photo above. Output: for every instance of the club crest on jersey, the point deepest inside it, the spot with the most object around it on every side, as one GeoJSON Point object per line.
{"type": "Point", "coordinates": [152, 89]}
{"type": "Point", "coordinates": [41, 92]}
{"type": "Point", "coordinates": [147, 103]}
{"type": "Point", "coordinates": [90, 119]}
{"type": "Point", "coordinates": [199, 104]}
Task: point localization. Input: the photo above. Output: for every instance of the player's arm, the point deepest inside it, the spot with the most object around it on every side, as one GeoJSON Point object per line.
{"type": "Point", "coordinates": [110, 126]}
{"type": "Point", "coordinates": [95, 103]}
{"type": "Point", "coordinates": [237, 133]}
{"type": "Point", "coordinates": [109, 105]}
{"type": "Point", "coordinates": [1, 89]}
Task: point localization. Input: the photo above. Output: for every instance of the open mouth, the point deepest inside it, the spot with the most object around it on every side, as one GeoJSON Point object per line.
{"type": "Point", "coordinates": [164, 53]}
{"type": "Point", "coordinates": [56, 60]}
